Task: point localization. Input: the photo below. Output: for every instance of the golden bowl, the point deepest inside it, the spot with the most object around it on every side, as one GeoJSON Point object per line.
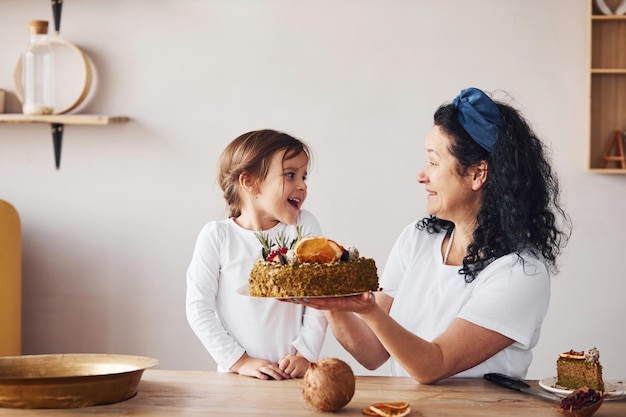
{"type": "Point", "coordinates": [69, 380]}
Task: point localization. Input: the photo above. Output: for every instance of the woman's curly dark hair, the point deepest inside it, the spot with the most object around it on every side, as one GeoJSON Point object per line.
{"type": "Point", "coordinates": [520, 208]}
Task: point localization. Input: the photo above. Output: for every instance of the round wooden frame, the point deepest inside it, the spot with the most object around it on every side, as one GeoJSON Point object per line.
{"type": "Point", "coordinates": [19, 88]}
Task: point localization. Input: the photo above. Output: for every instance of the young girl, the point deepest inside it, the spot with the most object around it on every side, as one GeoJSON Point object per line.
{"type": "Point", "coordinates": [262, 174]}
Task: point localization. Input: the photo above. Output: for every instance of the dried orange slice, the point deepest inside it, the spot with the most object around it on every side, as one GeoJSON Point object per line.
{"type": "Point", "coordinates": [394, 405]}
{"type": "Point", "coordinates": [369, 412]}
{"type": "Point", "coordinates": [336, 247]}
{"type": "Point", "coordinates": [390, 412]}
{"type": "Point", "coordinates": [317, 249]}
{"type": "Point", "coordinates": [388, 409]}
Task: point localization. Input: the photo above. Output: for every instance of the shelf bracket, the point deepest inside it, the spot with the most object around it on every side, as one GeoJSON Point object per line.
{"type": "Point", "coordinates": [56, 12]}
{"type": "Point", "coordinates": [57, 140]}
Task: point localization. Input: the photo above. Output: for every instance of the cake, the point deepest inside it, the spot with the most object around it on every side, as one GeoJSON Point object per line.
{"type": "Point", "coordinates": [310, 266]}
{"type": "Point", "coordinates": [578, 369]}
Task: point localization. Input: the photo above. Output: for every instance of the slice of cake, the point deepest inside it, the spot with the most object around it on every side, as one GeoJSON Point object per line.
{"type": "Point", "coordinates": [310, 266]}
{"type": "Point", "coordinates": [578, 369]}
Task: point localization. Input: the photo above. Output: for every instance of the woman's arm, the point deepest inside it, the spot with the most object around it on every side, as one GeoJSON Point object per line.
{"type": "Point", "coordinates": [462, 346]}
{"type": "Point", "coordinates": [373, 336]}
{"type": "Point", "coordinates": [351, 332]}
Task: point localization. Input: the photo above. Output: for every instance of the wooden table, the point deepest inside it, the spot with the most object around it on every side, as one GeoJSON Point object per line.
{"type": "Point", "coordinates": [195, 393]}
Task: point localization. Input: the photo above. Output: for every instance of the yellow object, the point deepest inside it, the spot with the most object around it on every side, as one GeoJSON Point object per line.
{"type": "Point", "coordinates": [10, 281]}
{"type": "Point", "coordinates": [69, 380]}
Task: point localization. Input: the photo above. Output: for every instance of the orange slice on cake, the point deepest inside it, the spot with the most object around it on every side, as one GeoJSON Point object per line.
{"type": "Point", "coordinates": [317, 249]}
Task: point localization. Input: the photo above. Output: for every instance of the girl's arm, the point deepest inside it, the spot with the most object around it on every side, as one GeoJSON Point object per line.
{"type": "Point", "coordinates": [294, 365]}
{"type": "Point", "coordinates": [259, 368]}
{"type": "Point", "coordinates": [311, 338]}
{"type": "Point", "coordinates": [202, 288]}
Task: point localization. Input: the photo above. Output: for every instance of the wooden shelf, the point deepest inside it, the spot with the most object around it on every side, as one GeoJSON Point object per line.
{"type": "Point", "coordinates": [607, 89]}
{"type": "Point", "coordinates": [607, 17]}
{"type": "Point", "coordinates": [57, 123]}
{"type": "Point", "coordinates": [607, 171]}
{"type": "Point", "coordinates": [66, 119]}
{"type": "Point", "coordinates": [608, 71]}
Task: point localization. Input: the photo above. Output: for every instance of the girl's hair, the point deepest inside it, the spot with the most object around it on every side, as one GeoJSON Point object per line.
{"type": "Point", "coordinates": [520, 208]}
{"type": "Point", "coordinates": [252, 153]}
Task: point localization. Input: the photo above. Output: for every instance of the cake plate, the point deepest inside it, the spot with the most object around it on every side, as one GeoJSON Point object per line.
{"type": "Point", "coordinates": [614, 388]}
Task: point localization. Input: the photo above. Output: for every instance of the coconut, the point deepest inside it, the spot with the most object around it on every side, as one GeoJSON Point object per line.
{"type": "Point", "coordinates": [328, 384]}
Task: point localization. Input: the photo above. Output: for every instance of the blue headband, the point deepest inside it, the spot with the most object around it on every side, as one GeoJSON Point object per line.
{"type": "Point", "coordinates": [479, 116]}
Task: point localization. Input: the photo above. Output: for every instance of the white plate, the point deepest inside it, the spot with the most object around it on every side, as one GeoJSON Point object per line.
{"type": "Point", "coordinates": [245, 290]}
{"type": "Point", "coordinates": [615, 388]}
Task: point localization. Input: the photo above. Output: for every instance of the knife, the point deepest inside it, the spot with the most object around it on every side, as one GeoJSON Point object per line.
{"type": "Point", "coordinates": [520, 386]}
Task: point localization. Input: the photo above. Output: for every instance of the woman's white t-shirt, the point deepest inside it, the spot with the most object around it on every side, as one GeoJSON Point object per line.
{"type": "Point", "coordinates": [229, 323]}
{"type": "Point", "coordinates": [510, 296]}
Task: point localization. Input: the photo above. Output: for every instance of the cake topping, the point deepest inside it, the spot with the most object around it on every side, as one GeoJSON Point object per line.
{"type": "Point", "coordinates": [591, 356]}
{"type": "Point", "coordinates": [309, 249]}
{"type": "Point", "coordinates": [277, 251]}
{"type": "Point", "coordinates": [353, 253]}
{"type": "Point", "coordinates": [316, 249]}
{"type": "Point", "coordinates": [573, 354]}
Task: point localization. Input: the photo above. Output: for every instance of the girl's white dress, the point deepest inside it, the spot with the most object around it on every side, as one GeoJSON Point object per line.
{"type": "Point", "coordinates": [229, 323]}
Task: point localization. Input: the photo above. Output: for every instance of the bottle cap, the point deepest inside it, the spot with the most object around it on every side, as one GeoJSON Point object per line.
{"type": "Point", "coordinates": [38, 26]}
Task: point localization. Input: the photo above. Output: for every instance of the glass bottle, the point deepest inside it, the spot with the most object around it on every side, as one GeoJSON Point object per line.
{"type": "Point", "coordinates": [37, 71]}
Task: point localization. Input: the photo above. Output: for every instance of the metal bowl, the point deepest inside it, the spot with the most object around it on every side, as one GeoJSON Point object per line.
{"type": "Point", "coordinates": [69, 380]}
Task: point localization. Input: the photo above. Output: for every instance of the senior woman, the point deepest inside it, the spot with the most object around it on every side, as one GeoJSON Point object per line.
{"type": "Point", "coordinates": [465, 289]}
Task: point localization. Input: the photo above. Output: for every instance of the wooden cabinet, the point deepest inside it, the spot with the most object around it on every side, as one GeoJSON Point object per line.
{"type": "Point", "coordinates": [607, 84]}
{"type": "Point", "coordinates": [10, 281]}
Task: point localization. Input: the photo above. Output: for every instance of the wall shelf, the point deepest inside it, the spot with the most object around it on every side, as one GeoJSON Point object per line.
{"type": "Point", "coordinates": [607, 90]}
{"type": "Point", "coordinates": [66, 119]}
{"type": "Point", "coordinates": [57, 123]}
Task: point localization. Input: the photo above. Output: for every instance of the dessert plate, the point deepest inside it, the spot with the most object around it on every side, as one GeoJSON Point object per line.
{"type": "Point", "coordinates": [245, 290]}
{"type": "Point", "coordinates": [615, 388]}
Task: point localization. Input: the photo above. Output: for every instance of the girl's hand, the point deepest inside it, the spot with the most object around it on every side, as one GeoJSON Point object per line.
{"type": "Point", "coordinates": [259, 368]}
{"type": "Point", "coordinates": [294, 365]}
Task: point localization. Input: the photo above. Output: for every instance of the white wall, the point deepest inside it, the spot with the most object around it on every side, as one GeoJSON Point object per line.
{"type": "Point", "coordinates": [107, 238]}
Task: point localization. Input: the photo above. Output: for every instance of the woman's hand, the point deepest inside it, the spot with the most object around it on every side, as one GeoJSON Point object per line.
{"type": "Point", "coordinates": [294, 365]}
{"type": "Point", "coordinates": [360, 304]}
{"type": "Point", "coordinates": [259, 368]}
{"type": "Point", "coordinates": [346, 317]}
